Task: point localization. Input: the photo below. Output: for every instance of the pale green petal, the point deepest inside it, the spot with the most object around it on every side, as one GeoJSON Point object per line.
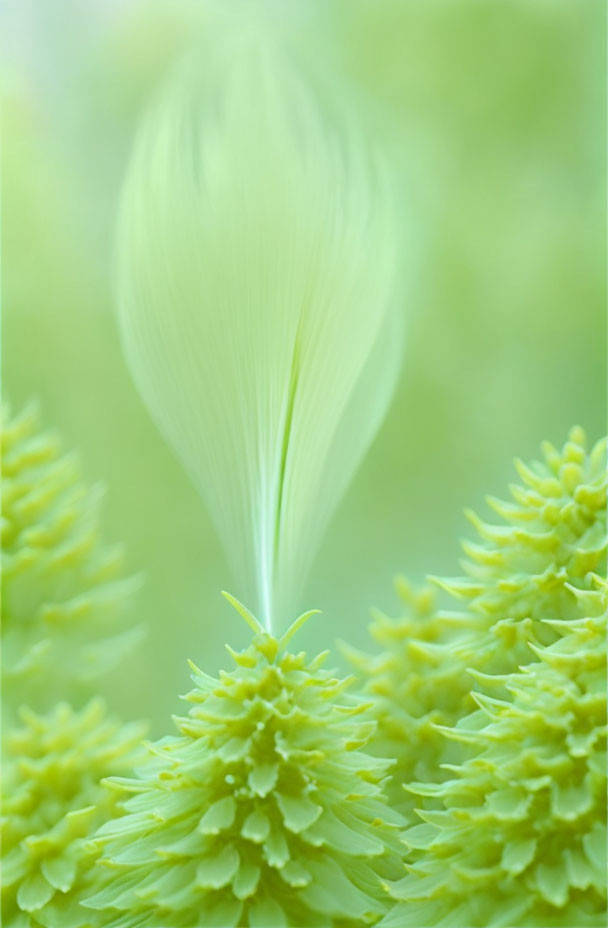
{"type": "Point", "coordinates": [257, 304]}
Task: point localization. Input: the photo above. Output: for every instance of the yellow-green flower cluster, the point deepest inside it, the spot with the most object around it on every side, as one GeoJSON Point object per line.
{"type": "Point", "coordinates": [520, 838]}
{"type": "Point", "coordinates": [521, 572]}
{"type": "Point", "coordinates": [52, 799]}
{"type": "Point", "coordinates": [63, 592]}
{"type": "Point", "coordinates": [518, 574]}
{"type": "Point", "coordinates": [62, 595]}
{"type": "Point", "coordinates": [510, 797]}
{"type": "Point", "coordinates": [263, 812]}
{"type": "Point", "coordinates": [414, 684]}
{"type": "Point", "coordinates": [274, 805]}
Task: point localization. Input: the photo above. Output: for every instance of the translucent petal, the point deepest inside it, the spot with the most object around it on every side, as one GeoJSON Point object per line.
{"type": "Point", "coordinates": [298, 812]}
{"type": "Point", "coordinates": [257, 305]}
{"type": "Point", "coordinates": [59, 871]}
{"type": "Point", "coordinates": [215, 872]}
{"type": "Point", "coordinates": [218, 816]}
{"type": "Point", "coordinates": [263, 778]}
{"type": "Point", "coordinates": [34, 892]}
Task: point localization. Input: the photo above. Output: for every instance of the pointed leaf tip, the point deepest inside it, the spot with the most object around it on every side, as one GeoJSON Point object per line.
{"type": "Point", "coordinates": [244, 612]}
{"type": "Point", "coordinates": [296, 626]}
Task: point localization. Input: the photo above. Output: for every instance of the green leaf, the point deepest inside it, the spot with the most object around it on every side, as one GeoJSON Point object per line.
{"type": "Point", "coordinates": [263, 778]}
{"type": "Point", "coordinates": [420, 836]}
{"type": "Point", "coordinates": [246, 880]}
{"type": "Point", "coordinates": [552, 882]}
{"type": "Point", "coordinates": [15, 865]}
{"type": "Point", "coordinates": [569, 801]}
{"type": "Point", "coordinates": [295, 874]}
{"type": "Point", "coordinates": [276, 850]}
{"type": "Point", "coordinates": [226, 914]}
{"type": "Point", "coordinates": [219, 816]}
{"type": "Point", "coordinates": [509, 803]}
{"type": "Point", "coordinates": [215, 872]}
{"type": "Point", "coordinates": [60, 872]}
{"type": "Point", "coordinates": [340, 837]}
{"type": "Point", "coordinates": [298, 812]}
{"type": "Point", "coordinates": [34, 893]}
{"type": "Point", "coordinates": [518, 854]}
{"type": "Point", "coordinates": [595, 847]}
{"type": "Point", "coordinates": [267, 913]}
{"type": "Point", "coordinates": [333, 893]}
{"type": "Point", "coordinates": [580, 871]}
{"type": "Point", "coordinates": [256, 827]}
{"type": "Point", "coordinates": [235, 749]}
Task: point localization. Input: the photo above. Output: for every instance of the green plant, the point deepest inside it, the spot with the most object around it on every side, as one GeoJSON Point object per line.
{"type": "Point", "coordinates": [519, 574]}
{"type": "Point", "coordinates": [264, 811]}
{"type": "Point", "coordinates": [520, 838]}
{"type": "Point", "coordinates": [513, 812]}
{"type": "Point", "coordinates": [62, 597]}
{"type": "Point", "coordinates": [522, 572]}
{"type": "Point", "coordinates": [414, 684]}
{"type": "Point", "coordinates": [63, 592]}
{"type": "Point", "coordinates": [52, 798]}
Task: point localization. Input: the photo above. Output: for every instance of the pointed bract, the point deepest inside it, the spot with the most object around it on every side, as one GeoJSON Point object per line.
{"type": "Point", "coordinates": [52, 798]}
{"type": "Point", "coordinates": [263, 811]}
{"type": "Point", "coordinates": [64, 593]}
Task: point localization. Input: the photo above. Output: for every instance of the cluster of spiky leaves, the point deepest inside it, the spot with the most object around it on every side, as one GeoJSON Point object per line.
{"type": "Point", "coordinates": [414, 687]}
{"type": "Point", "coordinates": [264, 812]}
{"type": "Point", "coordinates": [52, 799]}
{"type": "Point", "coordinates": [518, 575]}
{"type": "Point", "coordinates": [513, 822]}
{"type": "Point", "coordinates": [520, 838]}
{"type": "Point", "coordinates": [63, 593]}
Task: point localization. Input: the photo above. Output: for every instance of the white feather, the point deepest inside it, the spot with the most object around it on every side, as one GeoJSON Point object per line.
{"type": "Point", "coordinates": [257, 306]}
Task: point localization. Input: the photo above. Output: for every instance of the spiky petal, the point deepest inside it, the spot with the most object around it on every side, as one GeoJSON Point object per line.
{"type": "Point", "coordinates": [63, 591]}
{"type": "Point", "coordinates": [520, 574]}
{"type": "Point", "coordinates": [520, 837]}
{"type": "Point", "coordinates": [265, 811]}
{"type": "Point", "coordinates": [414, 684]}
{"type": "Point", "coordinates": [528, 568]}
{"type": "Point", "coordinates": [52, 798]}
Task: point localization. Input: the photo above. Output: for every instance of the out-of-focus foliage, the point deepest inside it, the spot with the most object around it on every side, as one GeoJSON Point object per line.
{"type": "Point", "coordinates": [520, 835]}
{"type": "Point", "coordinates": [63, 621]}
{"type": "Point", "coordinates": [493, 115]}
{"type": "Point", "coordinates": [52, 799]}
{"type": "Point", "coordinates": [414, 685]}
{"type": "Point", "coordinates": [264, 811]}
{"type": "Point", "coordinates": [64, 595]}
{"type": "Point", "coordinates": [526, 569]}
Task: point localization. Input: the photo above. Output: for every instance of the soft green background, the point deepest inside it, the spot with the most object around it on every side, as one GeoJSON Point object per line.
{"type": "Point", "coordinates": [493, 114]}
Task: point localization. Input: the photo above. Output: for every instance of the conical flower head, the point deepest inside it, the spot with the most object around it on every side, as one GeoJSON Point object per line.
{"type": "Point", "coordinates": [521, 574]}
{"type": "Point", "coordinates": [520, 836]}
{"type": "Point", "coordinates": [258, 265]}
{"type": "Point", "coordinates": [63, 591]}
{"type": "Point", "coordinates": [414, 684]}
{"type": "Point", "coordinates": [52, 799]}
{"type": "Point", "coordinates": [265, 811]}
{"type": "Point", "coordinates": [523, 571]}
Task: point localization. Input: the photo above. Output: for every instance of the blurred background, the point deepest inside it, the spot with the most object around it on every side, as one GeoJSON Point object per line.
{"type": "Point", "coordinates": [493, 115]}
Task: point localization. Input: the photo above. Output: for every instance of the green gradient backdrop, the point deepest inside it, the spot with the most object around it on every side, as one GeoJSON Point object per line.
{"type": "Point", "coordinates": [494, 116]}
